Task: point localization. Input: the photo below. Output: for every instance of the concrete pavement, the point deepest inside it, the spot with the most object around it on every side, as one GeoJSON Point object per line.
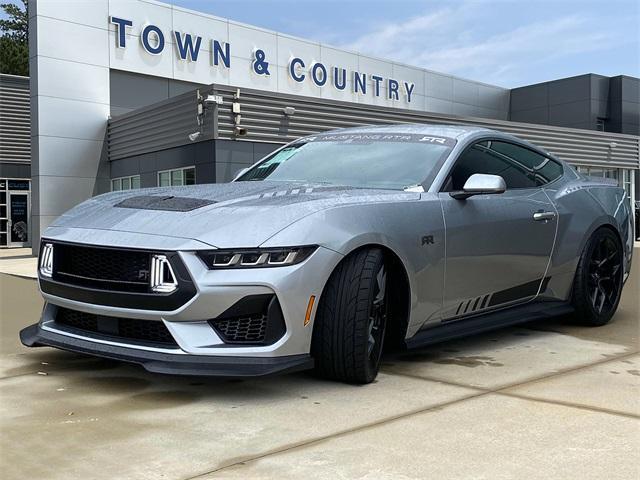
{"type": "Point", "coordinates": [19, 262]}
{"type": "Point", "coordinates": [546, 400]}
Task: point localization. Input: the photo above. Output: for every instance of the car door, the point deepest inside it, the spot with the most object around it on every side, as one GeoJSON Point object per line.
{"type": "Point", "coordinates": [498, 245]}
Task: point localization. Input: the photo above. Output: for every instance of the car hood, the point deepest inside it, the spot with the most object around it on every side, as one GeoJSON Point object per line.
{"type": "Point", "coordinates": [239, 214]}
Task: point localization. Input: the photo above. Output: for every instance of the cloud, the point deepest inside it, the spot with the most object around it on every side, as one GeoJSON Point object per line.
{"type": "Point", "coordinates": [485, 44]}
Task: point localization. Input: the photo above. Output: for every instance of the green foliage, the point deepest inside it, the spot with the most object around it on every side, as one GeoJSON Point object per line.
{"type": "Point", "coordinates": [14, 42]}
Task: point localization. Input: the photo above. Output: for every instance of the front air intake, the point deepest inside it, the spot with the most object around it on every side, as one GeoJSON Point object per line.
{"type": "Point", "coordinates": [253, 320]}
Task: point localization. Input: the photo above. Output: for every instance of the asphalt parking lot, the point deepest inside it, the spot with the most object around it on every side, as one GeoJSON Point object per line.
{"type": "Point", "coordinates": [546, 400]}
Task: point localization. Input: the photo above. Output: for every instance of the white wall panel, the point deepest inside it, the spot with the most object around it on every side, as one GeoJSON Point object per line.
{"type": "Point", "coordinates": [373, 66]}
{"type": "Point", "coordinates": [142, 13]}
{"type": "Point", "coordinates": [438, 86]}
{"type": "Point", "coordinates": [286, 84]}
{"type": "Point", "coordinates": [493, 97]}
{"type": "Point", "coordinates": [85, 12]}
{"type": "Point", "coordinates": [60, 117]}
{"type": "Point", "coordinates": [465, 92]}
{"type": "Point", "coordinates": [70, 41]}
{"type": "Point", "coordinates": [245, 39]}
{"type": "Point", "coordinates": [72, 80]}
{"type": "Point", "coordinates": [346, 95]}
{"type": "Point", "coordinates": [58, 194]}
{"type": "Point", "coordinates": [289, 47]}
{"type": "Point", "coordinates": [242, 75]}
{"type": "Point", "coordinates": [438, 105]}
{"type": "Point", "coordinates": [404, 73]}
{"type": "Point", "coordinates": [207, 26]}
{"type": "Point", "coordinates": [417, 102]}
{"type": "Point", "coordinates": [73, 157]}
{"type": "Point", "coordinates": [335, 57]}
{"type": "Point", "coordinates": [201, 71]}
{"type": "Point", "coordinates": [139, 61]}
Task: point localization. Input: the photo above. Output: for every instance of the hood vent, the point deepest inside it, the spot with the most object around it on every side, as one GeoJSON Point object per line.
{"type": "Point", "coordinates": [167, 203]}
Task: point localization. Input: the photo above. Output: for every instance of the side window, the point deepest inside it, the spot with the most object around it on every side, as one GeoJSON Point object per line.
{"type": "Point", "coordinates": [538, 167]}
{"type": "Point", "coordinates": [480, 158]}
{"type": "Point", "coordinates": [519, 166]}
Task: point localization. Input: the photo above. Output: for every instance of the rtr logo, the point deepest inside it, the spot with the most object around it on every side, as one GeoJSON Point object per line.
{"type": "Point", "coordinates": [427, 240]}
{"type": "Point", "coordinates": [143, 274]}
{"type": "Point", "coordinates": [434, 140]}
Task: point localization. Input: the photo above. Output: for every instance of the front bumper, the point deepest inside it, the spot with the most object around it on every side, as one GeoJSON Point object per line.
{"type": "Point", "coordinates": [167, 363]}
{"type": "Point", "coordinates": [215, 292]}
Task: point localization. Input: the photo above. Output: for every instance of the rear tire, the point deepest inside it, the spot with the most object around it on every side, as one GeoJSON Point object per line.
{"type": "Point", "coordinates": [598, 281]}
{"type": "Point", "coordinates": [349, 328]}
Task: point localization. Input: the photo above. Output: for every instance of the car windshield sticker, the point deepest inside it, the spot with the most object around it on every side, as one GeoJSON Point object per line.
{"type": "Point", "coordinates": [364, 138]}
{"type": "Point", "coordinates": [281, 156]}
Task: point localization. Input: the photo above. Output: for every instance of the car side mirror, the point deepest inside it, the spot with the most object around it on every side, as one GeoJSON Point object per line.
{"type": "Point", "coordinates": [481, 184]}
{"type": "Point", "coordinates": [239, 173]}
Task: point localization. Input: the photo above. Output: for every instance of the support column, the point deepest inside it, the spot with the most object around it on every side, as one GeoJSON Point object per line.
{"type": "Point", "coordinates": [69, 83]}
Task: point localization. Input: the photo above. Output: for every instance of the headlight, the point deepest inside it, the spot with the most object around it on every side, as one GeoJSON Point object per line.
{"type": "Point", "coordinates": [255, 257]}
{"type": "Point", "coordinates": [46, 260]}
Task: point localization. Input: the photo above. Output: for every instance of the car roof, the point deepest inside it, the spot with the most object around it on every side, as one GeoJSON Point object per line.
{"type": "Point", "coordinates": [452, 131]}
{"type": "Point", "coordinates": [458, 132]}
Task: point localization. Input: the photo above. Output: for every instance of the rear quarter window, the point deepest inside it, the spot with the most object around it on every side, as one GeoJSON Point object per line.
{"type": "Point", "coordinates": [540, 168]}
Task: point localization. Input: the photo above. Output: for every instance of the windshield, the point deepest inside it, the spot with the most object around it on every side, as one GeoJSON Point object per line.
{"type": "Point", "coordinates": [387, 161]}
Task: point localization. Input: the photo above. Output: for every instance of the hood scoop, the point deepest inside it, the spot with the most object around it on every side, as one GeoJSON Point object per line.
{"type": "Point", "coordinates": [166, 203]}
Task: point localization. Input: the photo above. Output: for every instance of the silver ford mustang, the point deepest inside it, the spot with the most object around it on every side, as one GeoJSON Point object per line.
{"type": "Point", "coordinates": [331, 249]}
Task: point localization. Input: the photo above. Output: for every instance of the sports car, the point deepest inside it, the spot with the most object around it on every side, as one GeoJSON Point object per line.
{"type": "Point", "coordinates": [330, 251]}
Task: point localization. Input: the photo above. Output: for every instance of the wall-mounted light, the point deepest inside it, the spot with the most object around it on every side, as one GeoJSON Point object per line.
{"type": "Point", "coordinates": [213, 100]}
{"type": "Point", "coordinates": [289, 111]}
{"type": "Point", "coordinates": [204, 103]}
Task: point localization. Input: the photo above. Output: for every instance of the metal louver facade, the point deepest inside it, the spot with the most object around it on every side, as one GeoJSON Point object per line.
{"type": "Point", "coordinates": [168, 124]}
{"type": "Point", "coordinates": [15, 126]}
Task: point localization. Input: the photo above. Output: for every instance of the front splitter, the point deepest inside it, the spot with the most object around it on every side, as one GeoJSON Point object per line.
{"type": "Point", "coordinates": [167, 363]}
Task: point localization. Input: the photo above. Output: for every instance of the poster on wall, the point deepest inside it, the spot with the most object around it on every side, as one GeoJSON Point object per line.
{"type": "Point", "coordinates": [19, 214]}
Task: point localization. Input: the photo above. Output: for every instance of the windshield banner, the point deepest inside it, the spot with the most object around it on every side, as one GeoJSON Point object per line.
{"type": "Point", "coordinates": [380, 137]}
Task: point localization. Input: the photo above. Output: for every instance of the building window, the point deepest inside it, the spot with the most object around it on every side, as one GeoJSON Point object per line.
{"type": "Point", "coordinates": [613, 173]}
{"type": "Point", "coordinates": [177, 177]}
{"type": "Point", "coordinates": [125, 183]}
{"type": "Point", "coordinates": [15, 214]}
{"type": "Point", "coordinates": [626, 181]}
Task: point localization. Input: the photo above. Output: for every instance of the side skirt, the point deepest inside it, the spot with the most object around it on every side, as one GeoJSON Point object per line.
{"type": "Point", "coordinates": [487, 322]}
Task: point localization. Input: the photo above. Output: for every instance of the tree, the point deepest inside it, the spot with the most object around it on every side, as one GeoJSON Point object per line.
{"type": "Point", "coordinates": [14, 42]}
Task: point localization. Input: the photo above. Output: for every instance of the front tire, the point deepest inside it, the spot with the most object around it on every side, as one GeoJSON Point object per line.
{"type": "Point", "coordinates": [598, 283]}
{"type": "Point", "coordinates": [349, 328]}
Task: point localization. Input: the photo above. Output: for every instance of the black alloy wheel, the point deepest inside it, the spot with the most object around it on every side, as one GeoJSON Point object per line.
{"type": "Point", "coordinates": [598, 282]}
{"type": "Point", "coordinates": [605, 269]}
{"type": "Point", "coordinates": [378, 318]}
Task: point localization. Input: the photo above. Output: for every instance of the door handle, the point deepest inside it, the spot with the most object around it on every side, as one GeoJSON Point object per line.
{"type": "Point", "coordinates": [540, 216]}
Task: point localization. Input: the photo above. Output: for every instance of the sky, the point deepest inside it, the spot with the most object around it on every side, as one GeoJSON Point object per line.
{"type": "Point", "coordinates": [502, 42]}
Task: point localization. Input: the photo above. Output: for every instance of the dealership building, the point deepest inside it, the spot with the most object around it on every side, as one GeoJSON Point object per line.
{"type": "Point", "coordinates": [135, 93]}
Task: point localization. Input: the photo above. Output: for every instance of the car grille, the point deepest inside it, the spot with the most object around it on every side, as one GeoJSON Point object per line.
{"type": "Point", "coordinates": [140, 331]}
{"type": "Point", "coordinates": [103, 268]}
{"type": "Point", "coordinates": [242, 329]}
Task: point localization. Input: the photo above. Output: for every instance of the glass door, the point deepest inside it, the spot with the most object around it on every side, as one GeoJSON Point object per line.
{"type": "Point", "coordinates": [18, 227]}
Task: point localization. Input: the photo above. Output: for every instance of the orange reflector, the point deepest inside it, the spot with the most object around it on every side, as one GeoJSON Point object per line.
{"type": "Point", "coordinates": [307, 317]}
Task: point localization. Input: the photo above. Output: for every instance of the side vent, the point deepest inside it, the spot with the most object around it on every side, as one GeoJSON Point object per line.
{"type": "Point", "coordinates": [473, 304]}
